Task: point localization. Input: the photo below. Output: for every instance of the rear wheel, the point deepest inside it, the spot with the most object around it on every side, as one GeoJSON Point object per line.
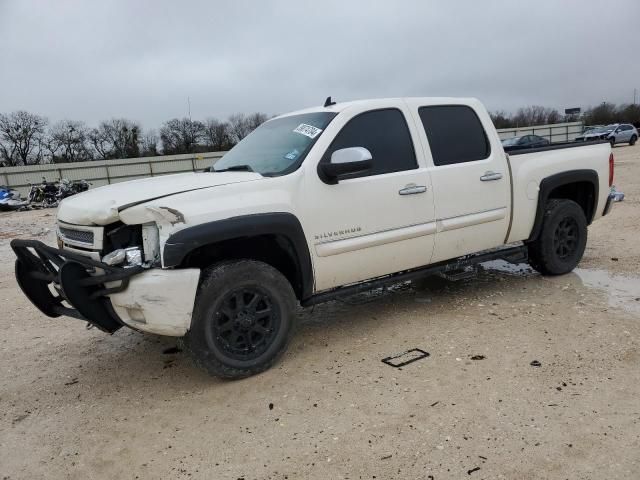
{"type": "Point", "coordinates": [243, 319]}
{"type": "Point", "coordinates": [562, 240]}
{"type": "Point", "coordinates": [632, 140]}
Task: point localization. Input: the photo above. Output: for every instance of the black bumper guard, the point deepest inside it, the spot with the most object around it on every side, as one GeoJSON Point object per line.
{"type": "Point", "coordinates": [51, 277]}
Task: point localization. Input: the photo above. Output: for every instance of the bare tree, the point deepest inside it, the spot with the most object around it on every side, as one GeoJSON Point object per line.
{"type": "Point", "coordinates": [116, 138]}
{"type": "Point", "coordinates": [20, 136]}
{"type": "Point", "coordinates": [68, 141]}
{"type": "Point", "coordinates": [256, 119]}
{"type": "Point", "coordinates": [526, 117]}
{"type": "Point", "coordinates": [629, 113]}
{"type": "Point", "coordinates": [603, 114]}
{"type": "Point", "coordinates": [149, 144]}
{"type": "Point", "coordinates": [535, 115]}
{"type": "Point", "coordinates": [500, 119]}
{"type": "Point", "coordinates": [217, 135]}
{"type": "Point", "coordinates": [242, 125]}
{"type": "Point", "coordinates": [181, 135]}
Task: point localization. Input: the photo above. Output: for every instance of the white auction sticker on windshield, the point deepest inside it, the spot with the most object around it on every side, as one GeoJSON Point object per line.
{"type": "Point", "coordinates": [308, 130]}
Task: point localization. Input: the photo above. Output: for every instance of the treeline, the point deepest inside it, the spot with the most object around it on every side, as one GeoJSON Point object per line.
{"type": "Point", "coordinates": [603, 114]}
{"type": "Point", "coordinates": [29, 139]}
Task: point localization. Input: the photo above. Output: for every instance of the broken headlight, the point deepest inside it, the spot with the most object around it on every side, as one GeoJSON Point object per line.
{"type": "Point", "coordinates": [131, 257]}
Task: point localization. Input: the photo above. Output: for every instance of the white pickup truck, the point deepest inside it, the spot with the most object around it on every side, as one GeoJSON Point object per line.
{"type": "Point", "coordinates": [313, 205]}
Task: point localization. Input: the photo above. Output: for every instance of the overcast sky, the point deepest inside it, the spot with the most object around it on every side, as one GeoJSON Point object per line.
{"type": "Point", "coordinates": [93, 60]}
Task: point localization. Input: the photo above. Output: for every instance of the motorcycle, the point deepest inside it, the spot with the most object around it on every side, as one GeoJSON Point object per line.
{"type": "Point", "coordinates": [68, 188]}
{"type": "Point", "coordinates": [43, 195]}
{"type": "Point", "coordinates": [10, 200]}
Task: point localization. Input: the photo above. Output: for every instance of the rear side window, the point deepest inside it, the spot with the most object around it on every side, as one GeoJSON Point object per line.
{"type": "Point", "coordinates": [455, 134]}
{"type": "Point", "coordinates": [385, 134]}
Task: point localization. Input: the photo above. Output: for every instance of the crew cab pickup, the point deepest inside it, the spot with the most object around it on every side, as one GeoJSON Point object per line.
{"type": "Point", "coordinates": [313, 205]}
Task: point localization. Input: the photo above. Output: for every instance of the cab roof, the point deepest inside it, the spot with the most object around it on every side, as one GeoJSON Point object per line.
{"type": "Point", "coordinates": [374, 102]}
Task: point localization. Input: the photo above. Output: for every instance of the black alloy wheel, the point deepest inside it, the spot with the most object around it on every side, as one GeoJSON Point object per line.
{"type": "Point", "coordinates": [245, 323]}
{"type": "Point", "coordinates": [565, 240]}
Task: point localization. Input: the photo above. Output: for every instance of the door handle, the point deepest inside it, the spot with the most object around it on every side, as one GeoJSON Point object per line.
{"type": "Point", "coordinates": [412, 189]}
{"type": "Point", "coordinates": [488, 176]}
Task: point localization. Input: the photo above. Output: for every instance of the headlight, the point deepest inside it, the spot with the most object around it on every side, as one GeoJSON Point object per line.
{"type": "Point", "coordinates": [132, 256]}
{"type": "Point", "coordinates": [115, 258]}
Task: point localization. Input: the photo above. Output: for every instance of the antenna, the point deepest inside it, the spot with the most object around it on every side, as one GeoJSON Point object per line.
{"type": "Point", "coordinates": [189, 107]}
{"type": "Point", "coordinates": [328, 102]}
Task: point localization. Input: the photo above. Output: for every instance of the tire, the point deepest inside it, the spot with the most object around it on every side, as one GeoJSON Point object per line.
{"type": "Point", "coordinates": [612, 141]}
{"type": "Point", "coordinates": [632, 140]}
{"type": "Point", "coordinates": [562, 240]}
{"type": "Point", "coordinates": [242, 320]}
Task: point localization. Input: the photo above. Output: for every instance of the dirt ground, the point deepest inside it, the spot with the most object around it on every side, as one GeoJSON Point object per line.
{"type": "Point", "coordinates": [76, 403]}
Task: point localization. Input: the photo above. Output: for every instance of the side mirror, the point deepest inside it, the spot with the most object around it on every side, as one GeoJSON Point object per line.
{"type": "Point", "coordinates": [345, 161]}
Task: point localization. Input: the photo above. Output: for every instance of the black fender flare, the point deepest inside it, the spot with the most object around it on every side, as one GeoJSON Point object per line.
{"type": "Point", "coordinates": [548, 184]}
{"type": "Point", "coordinates": [180, 244]}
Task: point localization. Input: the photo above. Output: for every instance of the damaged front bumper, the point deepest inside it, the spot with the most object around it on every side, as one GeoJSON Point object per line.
{"type": "Point", "coordinates": [63, 282]}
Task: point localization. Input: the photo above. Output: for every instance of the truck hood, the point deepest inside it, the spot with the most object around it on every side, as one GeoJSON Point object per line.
{"type": "Point", "coordinates": [101, 206]}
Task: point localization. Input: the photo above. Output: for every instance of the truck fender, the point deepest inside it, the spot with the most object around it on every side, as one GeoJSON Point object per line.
{"type": "Point", "coordinates": [549, 184]}
{"type": "Point", "coordinates": [180, 244]}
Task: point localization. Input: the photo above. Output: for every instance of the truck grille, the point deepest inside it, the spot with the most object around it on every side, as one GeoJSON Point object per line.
{"type": "Point", "coordinates": [79, 236]}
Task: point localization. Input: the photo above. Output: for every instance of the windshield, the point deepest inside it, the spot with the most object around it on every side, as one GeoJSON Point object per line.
{"type": "Point", "coordinates": [508, 142]}
{"type": "Point", "coordinates": [278, 146]}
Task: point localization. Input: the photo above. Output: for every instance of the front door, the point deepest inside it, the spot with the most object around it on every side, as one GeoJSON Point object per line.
{"type": "Point", "coordinates": [378, 222]}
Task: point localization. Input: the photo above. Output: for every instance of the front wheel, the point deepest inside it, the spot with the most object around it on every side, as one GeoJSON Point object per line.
{"type": "Point", "coordinates": [242, 320]}
{"type": "Point", "coordinates": [562, 240]}
{"type": "Point", "coordinates": [632, 140]}
{"type": "Point", "coordinates": [612, 141]}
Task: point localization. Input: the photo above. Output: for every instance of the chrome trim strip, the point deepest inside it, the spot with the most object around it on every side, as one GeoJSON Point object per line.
{"type": "Point", "coordinates": [336, 247]}
{"type": "Point", "coordinates": [383, 237]}
{"type": "Point", "coordinates": [468, 220]}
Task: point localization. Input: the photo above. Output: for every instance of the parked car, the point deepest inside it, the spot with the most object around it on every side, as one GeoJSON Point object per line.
{"type": "Point", "coordinates": [615, 133]}
{"type": "Point", "coordinates": [312, 206]}
{"type": "Point", "coordinates": [525, 141]}
{"type": "Point", "coordinates": [623, 133]}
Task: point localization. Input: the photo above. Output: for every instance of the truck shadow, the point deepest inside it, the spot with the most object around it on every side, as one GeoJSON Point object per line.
{"type": "Point", "coordinates": [129, 359]}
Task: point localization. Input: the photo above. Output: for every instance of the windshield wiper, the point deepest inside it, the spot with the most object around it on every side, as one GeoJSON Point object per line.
{"type": "Point", "coordinates": [234, 168]}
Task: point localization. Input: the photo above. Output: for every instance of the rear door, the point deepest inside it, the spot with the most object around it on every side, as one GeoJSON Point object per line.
{"type": "Point", "coordinates": [470, 177]}
{"type": "Point", "coordinates": [625, 134]}
{"type": "Point", "coordinates": [372, 223]}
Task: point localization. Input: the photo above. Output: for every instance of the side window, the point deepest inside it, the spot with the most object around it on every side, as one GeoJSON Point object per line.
{"type": "Point", "coordinates": [385, 134]}
{"type": "Point", "coordinates": [455, 134]}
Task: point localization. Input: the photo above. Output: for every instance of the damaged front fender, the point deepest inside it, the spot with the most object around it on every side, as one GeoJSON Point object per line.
{"type": "Point", "coordinates": [159, 301]}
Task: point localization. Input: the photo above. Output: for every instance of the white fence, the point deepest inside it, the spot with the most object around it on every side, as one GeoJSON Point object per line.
{"type": "Point", "coordinates": [557, 132]}
{"type": "Point", "coordinates": [103, 172]}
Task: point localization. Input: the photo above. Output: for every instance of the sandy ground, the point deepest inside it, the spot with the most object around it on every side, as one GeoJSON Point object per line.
{"type": "Point", "coordinates": [76, 403]}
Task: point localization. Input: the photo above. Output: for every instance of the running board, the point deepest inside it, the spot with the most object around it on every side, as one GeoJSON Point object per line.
{"type": "Point", "coordinates": [462, 274]}
{"type": "Point", "coordinates": [510, 254]}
